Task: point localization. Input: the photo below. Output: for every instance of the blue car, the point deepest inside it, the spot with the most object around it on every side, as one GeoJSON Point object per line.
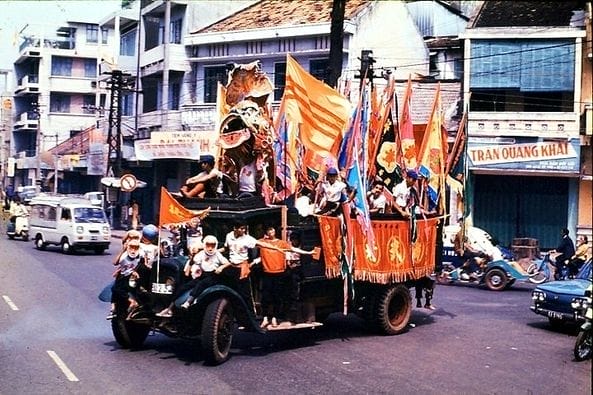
{"type": "Point", "coordinates": [553, 299]}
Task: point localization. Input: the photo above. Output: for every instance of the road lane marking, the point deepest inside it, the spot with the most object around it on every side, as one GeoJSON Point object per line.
{"type": "Point", "coordinates": [9, 303]}
{"type": "Point", "coordinates": [67, 372]}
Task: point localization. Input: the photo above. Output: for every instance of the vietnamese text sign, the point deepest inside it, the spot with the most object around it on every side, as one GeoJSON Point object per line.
{"type": "Point", "coordinates": [543, 155]}
{"type": "Point", "coordinates": [206, 140]}
{"type": "Point", "coordinates": [145, 150]}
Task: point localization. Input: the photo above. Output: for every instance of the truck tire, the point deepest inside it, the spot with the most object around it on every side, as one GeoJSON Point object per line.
{"type": "Point", "coordinates": [392, 311]}
{"type": "Point", "coordinates": [126, 333]}
{"type": "Point", "coordinates": [217, 331]}
{"type": "Point", "coordinates": [496, 280]}
{"type": "Point", "coordinates": [39, 244]}
{"type": "Point", "coordinates": [66, 246]}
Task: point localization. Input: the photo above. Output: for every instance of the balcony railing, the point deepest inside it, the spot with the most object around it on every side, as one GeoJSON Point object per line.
{"type": "Point", "coordinates": [29, 79]}
{"type": "Point", "coordinates": [523, 124]}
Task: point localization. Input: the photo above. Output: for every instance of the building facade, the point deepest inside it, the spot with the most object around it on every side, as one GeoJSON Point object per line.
{"type": "Point", "coordinates": [522, 85]}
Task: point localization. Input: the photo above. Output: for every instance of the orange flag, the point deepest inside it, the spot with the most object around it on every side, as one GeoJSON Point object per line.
{"type": "Point", "coordinates": [433, 155]}
{"type": "Point", "coordinates": [171, 212]}
{"type": "Point", "coordinates": [406, 130]}
{"type": "Point", "coordinates": [321, 112]}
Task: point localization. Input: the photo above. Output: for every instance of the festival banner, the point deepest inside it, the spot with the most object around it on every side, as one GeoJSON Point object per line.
{"type": "Point", "coordinates": [406, 130]}
{"type": "Point", "coordinates": [321, 112]}
{"type": "Point", "coordinates": [331, 241]}
{"type": "Point", "coordinates": [171, 211]}
{"type": "Point", "coordinates": [397, 259]}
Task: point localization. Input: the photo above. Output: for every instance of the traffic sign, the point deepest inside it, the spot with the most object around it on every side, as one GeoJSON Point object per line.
{"type": "Point", "coordinates": [128, 182]}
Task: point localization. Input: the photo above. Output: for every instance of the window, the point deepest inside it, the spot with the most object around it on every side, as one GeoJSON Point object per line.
{"type": "Point", "coordinates": [175, 33]}
{"type": "Point", "coordinates": [90, 68]}
{"type": "Point", "coordinates": [318, 68]}
{"type": "Point", "coordinates": [127, 44]}
{"type": "Point", "coordinates": [127, 104]}
{"type": "Point", "coordinates": [88, 106]}
{"type": "Point", "coordinates": [174, 90]}
{"type": "Point", "coordinates": [279, 80]}
{"type": "Point", "coordinates": [66, 214]}
{"type": "Point", "coordinates": [59, 103]}
{"type": "Point", "coordinates": [61, 66]}
{"type": "Point", "coordinates": [104, 35]}
{"type": "Point", "coordinates": [212, 76]}
{"type": "Point", "coordinates": [92, 33]}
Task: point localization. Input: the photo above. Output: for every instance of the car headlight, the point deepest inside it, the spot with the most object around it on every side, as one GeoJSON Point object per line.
{"type": "Point", "coordinates": [79, 229]}
{"type": "Point", "coordinates": [106, 229]}
{"type": "Point", "coordinates": [538, 296]}
{"type": "Point", "coordinates": [580, 303]}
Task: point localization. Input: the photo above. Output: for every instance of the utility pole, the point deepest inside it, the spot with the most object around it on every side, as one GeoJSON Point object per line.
{"type": "Point", "coordinates": [38, 138]}
{"type": "Point", "coordinates": [336, 42]}
{"type": "Point", "coordinates": [366, 67]}
{"type": "Point", "coordinates": [118, 81]}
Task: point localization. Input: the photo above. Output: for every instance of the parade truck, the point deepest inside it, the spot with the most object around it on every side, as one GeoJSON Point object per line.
{"type": "Point", "coordinates": [351, 274]}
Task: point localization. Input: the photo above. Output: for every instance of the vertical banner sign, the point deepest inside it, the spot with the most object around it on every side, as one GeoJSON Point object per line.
{"type": "Point", "coordinates": [96, 163]}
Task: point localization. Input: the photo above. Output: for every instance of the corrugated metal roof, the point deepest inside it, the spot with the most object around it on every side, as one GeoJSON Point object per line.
{"type": "Point", "coordinates": [527, 13]}
{"type": "Point", "coordinates": [274, 13]}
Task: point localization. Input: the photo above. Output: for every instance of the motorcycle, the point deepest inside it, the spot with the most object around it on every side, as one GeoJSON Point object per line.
{"type": "Point", "coordinates": [18, 226]}
{"type": "Point", "coordinates": [498, 273]}
{"type": "Point", "coordinates": [583, 345]}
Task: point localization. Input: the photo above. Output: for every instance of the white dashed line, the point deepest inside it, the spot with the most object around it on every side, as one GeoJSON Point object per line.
{"type": "Point", "coordinates": [67, 372]}
{"type": "Point", "coordinates": [9, 303]}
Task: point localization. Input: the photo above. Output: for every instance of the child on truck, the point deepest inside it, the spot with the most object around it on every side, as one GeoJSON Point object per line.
{"type": "Point", "coordinates": [126, 276]}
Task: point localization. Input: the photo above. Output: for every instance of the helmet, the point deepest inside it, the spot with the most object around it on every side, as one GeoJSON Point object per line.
{"type": "Point", "coordinates": [150, 233]}
{"type": "Point", "coordinates": [210, 240]}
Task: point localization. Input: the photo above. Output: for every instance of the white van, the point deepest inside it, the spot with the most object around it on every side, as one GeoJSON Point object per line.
{"type": "Point", "coordinates": [70, 222]}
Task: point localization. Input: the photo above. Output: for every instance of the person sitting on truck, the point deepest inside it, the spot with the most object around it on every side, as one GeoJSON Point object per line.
{"type": "Point", "coordinates": [206, 184]}
{"type": "Point", "coordinates": [203, 268]}
{"type": "Point", "coordinates": [126, 276]}
{"type": "Point", "coordinates": [331, 193]}
{"type": "Point", "coordinates": [376, 199]}
{"type": "Point", "coordinates": [404, 195]}
{"type": "Point", "coordinates": [251, 177]}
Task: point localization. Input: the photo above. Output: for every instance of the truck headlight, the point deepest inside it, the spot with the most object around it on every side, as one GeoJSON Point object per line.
{"type": "Point", "coordinates": [105, 229]}
{"type": "Point", "coordinates": [79, 230]}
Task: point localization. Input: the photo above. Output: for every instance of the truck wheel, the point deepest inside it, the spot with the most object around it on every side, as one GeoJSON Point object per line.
{"type": "Point", "coordinates": [217, 331]}
{"type": "Point", "coordinates": [66, 246]}
{"type": "Point", "coordinates": [496, 280]}
{"type": "Point", "coordinates": [126, 333]}
{"type": "Point", "coordinates": [392, 310]}
{"type": "Point", "coordinates": [39, 244]}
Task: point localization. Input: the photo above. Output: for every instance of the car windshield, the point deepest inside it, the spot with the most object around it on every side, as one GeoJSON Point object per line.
{"type": "Point", "coordinates": [89, 214]}
{"type": "Point", "coordinates": [585, 272]}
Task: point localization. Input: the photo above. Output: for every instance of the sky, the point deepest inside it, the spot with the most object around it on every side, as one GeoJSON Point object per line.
{"type": "Point", "coordinates": [44, 14]}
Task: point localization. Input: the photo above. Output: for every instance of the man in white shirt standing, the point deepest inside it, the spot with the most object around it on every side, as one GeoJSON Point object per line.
{"type": "Point", "coordinates": [332, 192]}
{"type": "Point", "coordinates": [376, 199]}
{"type": "Point", "coordinates": [402, 194]}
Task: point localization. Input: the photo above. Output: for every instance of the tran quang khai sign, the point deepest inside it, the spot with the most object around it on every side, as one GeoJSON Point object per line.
{"type": "Point", "coordinates": [560, 155]}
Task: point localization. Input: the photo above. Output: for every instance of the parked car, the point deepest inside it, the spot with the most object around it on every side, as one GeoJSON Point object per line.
{"type": "Point", "coordinates": [553, 299]}
{"type": "Point", "coordinates": [27, 193]}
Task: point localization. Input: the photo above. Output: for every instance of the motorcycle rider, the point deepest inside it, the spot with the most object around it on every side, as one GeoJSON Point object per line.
{"type": "Point", "coordinates": [566, 250]}
{"type": "Point", "coordinates": [467, 253]}
{"type": "Point", "coordinates": [18, 210]}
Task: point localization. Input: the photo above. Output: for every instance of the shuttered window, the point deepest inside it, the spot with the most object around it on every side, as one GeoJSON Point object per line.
{"type": "Point", "coordinates": [531, 66]}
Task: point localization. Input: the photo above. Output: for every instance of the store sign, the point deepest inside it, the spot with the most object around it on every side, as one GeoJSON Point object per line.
{"type": "Point", "coordinates": [146, 151]}
{"type": "Point", "coordinates": [206, 140]}
{"type": "Point", "coordinates": [561, 155]}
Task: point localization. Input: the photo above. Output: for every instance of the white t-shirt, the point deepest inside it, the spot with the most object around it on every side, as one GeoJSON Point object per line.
{"type": "Point", "coordinates": [239, 247]}
{"type": "Point", "coordinates": [207, 263]}
{"type": "Point", "coordinates": [247, 178]}
{"type": "Point", "coordinates": [401, 194]}
{"type": "Point", "coordinates": [333, 192]}
{"type": "Point", "coordinates": [127, 265]}
{"type": "Point", "coordinates": [149, 252]}
{"type": "Point", "coordinates": [377, 203]}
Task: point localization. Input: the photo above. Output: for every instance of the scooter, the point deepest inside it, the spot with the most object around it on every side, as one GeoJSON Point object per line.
{"type": "Point", "coordinates": [583, 345]}
{"type": "Point", "coordinates": [18, 228]}
{"type": "Point", "coordinates": [499, 274]}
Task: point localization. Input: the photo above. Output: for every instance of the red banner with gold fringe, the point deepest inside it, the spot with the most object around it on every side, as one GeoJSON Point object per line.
{"type": "Point", "coordinates": [397, 260]}
{"type": "Point", "coordinates": [331, 241]}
